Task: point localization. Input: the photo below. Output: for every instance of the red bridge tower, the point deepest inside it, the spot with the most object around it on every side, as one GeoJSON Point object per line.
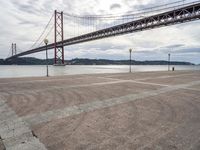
{"type": "Point", "coordinates": [14, 49]}
{"type": "Point", "coordinates": [59, 36]}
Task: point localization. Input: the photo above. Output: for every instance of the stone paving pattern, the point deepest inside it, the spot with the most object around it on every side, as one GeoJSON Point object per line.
{"type": "Point", "coordinates": [137, 111]}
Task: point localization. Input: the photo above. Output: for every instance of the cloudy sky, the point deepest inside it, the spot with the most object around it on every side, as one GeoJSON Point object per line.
{"type": "Point", "coordinates": [23, 21]}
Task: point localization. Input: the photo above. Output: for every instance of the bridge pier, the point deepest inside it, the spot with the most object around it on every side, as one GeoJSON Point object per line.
{"type": "Point", "coordinates": [59, 37]}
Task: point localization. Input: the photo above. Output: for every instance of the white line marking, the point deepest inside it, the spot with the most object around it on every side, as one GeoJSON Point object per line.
{"type": "Point", "coordinates": [40, 80]}
{"type": "Point", "coordinates": [15, 132]}
{"type": "Point", "coordinates": [193, 89]}
{"type": "Point", "coordinates": [135, 81]}
{"type": "Point", "coordinates": [62, 87]}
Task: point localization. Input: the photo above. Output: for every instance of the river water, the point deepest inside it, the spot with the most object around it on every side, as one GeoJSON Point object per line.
{"type": "Point", "coordinates": [34, 71]}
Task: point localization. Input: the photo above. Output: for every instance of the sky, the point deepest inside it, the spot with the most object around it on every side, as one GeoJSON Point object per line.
{"type": "Point", "coordinates": [23, 21]}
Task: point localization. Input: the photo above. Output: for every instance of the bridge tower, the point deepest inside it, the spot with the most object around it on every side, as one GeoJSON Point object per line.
{"type": "Point", "coordinates": [58, 37]}
{"type": "Point", "coordinates": [14, 49]}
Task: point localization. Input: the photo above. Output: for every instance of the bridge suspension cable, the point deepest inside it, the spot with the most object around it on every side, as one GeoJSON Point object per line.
{"type": "Point", "coordinates": [10, 52]}
{"type": "Point", "coordinates": [43, 32]}
{"type": "Point", "coordinates": [45, 37]}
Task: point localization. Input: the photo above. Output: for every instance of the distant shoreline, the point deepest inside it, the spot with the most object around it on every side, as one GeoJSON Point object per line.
{"type": "Point", "coordinates": [84, 61]}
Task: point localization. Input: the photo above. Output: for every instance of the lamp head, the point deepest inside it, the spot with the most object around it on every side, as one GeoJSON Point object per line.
{"type": "Point", "coordinates": [130, 50]}
{"type": "Point", "coordinates": [46, 41]}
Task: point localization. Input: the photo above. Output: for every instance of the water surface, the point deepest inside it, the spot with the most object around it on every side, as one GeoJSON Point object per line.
{"type": "Point", "coordinates": [34, 71]}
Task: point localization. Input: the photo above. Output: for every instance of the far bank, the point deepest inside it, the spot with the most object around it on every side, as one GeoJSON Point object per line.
{"type": "Point", "coordinates": [85, 61]}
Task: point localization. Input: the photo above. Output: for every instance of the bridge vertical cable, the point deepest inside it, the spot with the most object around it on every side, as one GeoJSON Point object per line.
{"type": "Point", "coordinates": [84, 24]}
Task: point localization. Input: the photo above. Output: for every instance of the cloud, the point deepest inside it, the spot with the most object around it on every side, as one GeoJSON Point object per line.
{"type": "Point", "coordinates": [115, 6]}
{"type": "Point", "coordinates": [174, 46]}
{"type": "Point", "coordinates": [190, 50]}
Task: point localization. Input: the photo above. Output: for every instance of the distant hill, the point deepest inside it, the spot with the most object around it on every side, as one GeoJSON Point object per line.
{"type": "Point", "coordinates": [122, 62]}
{"type": "Point", "coordinates": [77, 61]}
{"type": "Point", "coordinates": [25, 61]}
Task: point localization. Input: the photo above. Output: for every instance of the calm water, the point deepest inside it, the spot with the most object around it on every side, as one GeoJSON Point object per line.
{"type": "Point", "coordinates": [30, 71]}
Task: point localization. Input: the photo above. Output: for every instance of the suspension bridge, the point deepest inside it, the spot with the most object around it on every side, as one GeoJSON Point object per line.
{"type": "Point", "coordinates": [88, 28]}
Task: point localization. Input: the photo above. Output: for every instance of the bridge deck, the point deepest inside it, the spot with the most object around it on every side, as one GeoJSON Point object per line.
{"type": "Point", "coordinates": [174, 16]}
{"type": "Point", "coordinates": [154, 110]}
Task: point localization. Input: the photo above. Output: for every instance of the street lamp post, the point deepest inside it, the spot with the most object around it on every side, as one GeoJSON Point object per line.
{"type": "Point", "coordinates": [130, 70]}
{"type": "Point", "coordinates": [46, 42]}
{"type": "Point", "coordinates": [169, 62]}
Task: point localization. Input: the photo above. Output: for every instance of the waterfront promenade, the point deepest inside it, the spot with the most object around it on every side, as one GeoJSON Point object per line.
{"type": "Point", "coordinates": [127, 111]}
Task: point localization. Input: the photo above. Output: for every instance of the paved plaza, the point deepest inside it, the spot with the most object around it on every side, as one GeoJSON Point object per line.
{"type": "Point", "coordinates": [126, 111]}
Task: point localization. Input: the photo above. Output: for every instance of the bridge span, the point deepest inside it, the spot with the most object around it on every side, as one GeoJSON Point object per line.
{"type": "Point", "coordinates": [172, 17]}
